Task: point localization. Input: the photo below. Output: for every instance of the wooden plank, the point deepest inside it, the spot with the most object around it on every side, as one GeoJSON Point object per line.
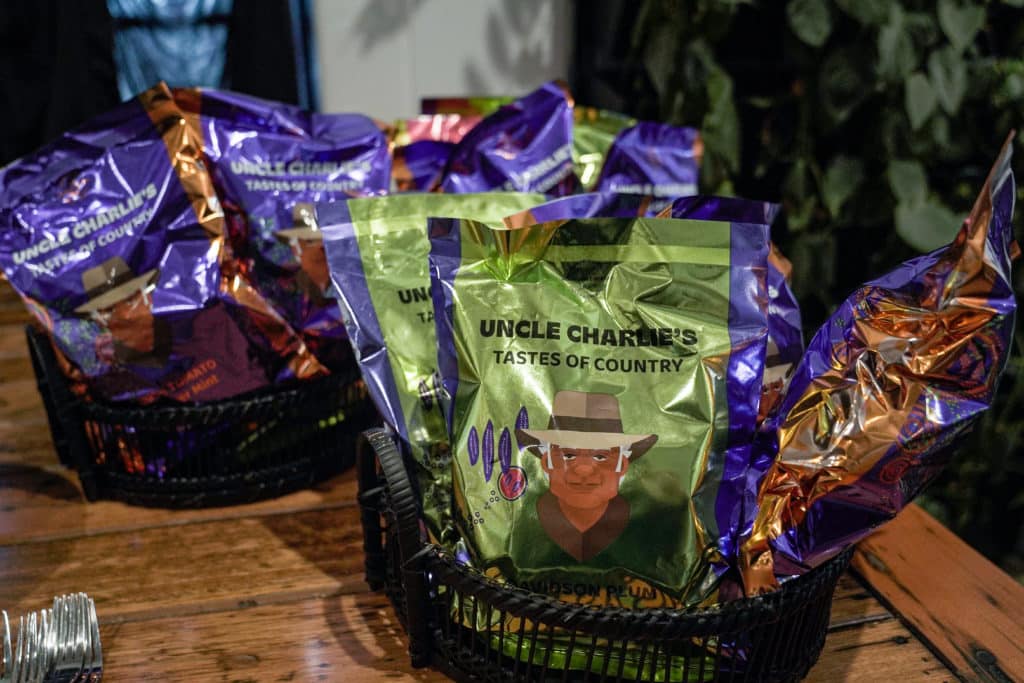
{"type": "Point", "coordinates": [13, 315]}
{"type": "Point", "coordinates": [45, 503]}
{"type": "Point", "coordinates": [12, 341]}
{"type": "Point", "coordinates": [853, 604]}
{"type": "Point", "coordinates": [970, 612]}
{"type": "Point", "coordinates": [879, 651]}
{"type": "Point", "coordinates": [191, 567]}
{"type": "Point", "coordinates": [357, 637]}
{"type": "Point", "coordinates": [344, 638]}
{"type": "Point", "coordinates": [21, 405]}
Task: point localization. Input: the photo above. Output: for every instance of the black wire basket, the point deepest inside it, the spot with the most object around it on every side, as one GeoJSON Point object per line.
{"type": "Point", "coordinates": [259, 446]}
{"type": "Point", "coordinates": [440, 602]}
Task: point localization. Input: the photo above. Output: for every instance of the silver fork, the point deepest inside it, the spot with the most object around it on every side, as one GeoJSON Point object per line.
{"type": "Point", "coordinates": [96, 667]}
{"type": "Point", "coordinates": [58, 645]}
{"type": "Point", "coordinates": [81, 638]}
{"type": "Point", "coordinates": [17, 668]}
{"type": "Point", "coordinates": [8, 656]}
{"type": "Point", "coordinates": [68, 656]}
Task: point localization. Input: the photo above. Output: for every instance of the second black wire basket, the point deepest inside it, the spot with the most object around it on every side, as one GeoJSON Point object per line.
{"type": "Point", "coordinates": [219, 453]}
{"type": "Point", "coordinates": [444, 607]}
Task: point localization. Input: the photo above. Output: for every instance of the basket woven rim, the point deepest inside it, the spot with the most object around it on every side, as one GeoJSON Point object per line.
{"type": "Point", "coordinates": [272, 395]}
{"type": "Point", "coordinates": [656, 622]}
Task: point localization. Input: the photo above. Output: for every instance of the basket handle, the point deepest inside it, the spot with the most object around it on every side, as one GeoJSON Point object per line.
{"type": "Point", "coordinates": [405, 509]}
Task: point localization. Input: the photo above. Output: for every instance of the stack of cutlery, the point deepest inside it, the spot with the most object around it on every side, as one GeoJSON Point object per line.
{"type": "Point", "coordinates": [56, 645]}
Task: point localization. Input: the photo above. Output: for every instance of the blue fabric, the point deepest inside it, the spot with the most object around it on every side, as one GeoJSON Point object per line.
{"type": "Point", "coordinates": [182, 42]}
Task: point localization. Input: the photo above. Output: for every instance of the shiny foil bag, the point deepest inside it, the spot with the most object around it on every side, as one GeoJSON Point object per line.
{"type": "Point", "coordinates": [601, 382]}
{"type": "Point", "coordinates": [902, 369]}
{"type": "Point", "coordinates": [525, 146]}
{"type": "Point", "coordinates": [377, 251]}
{"type": "Point", "coordinates": [654, 159]}
{"type": "Point", "coordinates": [421, 148]}
{"type": "Point", "coordinates": [594, 131]}
{"type": "Point", "coordinates": [464, 106]}
{"type": "Point", "coordinates": [114, 238]}
{"type": "Point", "coordinates": [785, 329]}
{"type": "Point", "coordinates": [784, 326]}
{"type": "Point", "coordinates": [785, 340]}
{"type": "Point", "coordinates": [271, 163]}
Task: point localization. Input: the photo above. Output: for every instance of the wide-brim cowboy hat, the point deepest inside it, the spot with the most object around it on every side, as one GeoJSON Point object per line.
{"type": "Point", "coordinates": [110, 283]}
{"type": "Point", "coordinates": [304, 224]}
{"type": "Point", "coordinates": [300, 232]}
{"type": "Point", "coordinates": [586, 421]}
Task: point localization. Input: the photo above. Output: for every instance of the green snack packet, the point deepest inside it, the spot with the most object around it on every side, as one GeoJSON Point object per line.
{"type": "Point", "coordinates": [601, 381]}
{"type": "Point", "coordinates": [594, 131]}
{"type": "Point", "coordinates": [377, 252]}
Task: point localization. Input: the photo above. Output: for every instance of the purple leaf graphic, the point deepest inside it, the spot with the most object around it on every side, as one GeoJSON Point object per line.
{"type": "Point", "coordinates": [425, 397]}
{"type": "Point", "coordinates": [488, 450]}
{"type": "Point", "coordinates": [522, 422]}
{"type": "Point", "coordinates": [473, 446]}
{"type": "Point", "coordinates": [505, 450]}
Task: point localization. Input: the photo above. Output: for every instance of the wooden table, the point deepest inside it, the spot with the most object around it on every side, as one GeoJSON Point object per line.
{"type": "Point", "coordinates": [274, 591]}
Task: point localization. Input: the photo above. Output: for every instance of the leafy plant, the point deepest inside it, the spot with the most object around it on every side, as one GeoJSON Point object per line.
{"type": "Point", "coordinates": [874, 123]}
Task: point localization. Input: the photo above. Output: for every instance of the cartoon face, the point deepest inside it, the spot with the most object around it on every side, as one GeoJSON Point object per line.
{"type": "Point", "coordinates": [131, 329]}
{"type": "Point", "coordinates": [584, 478]}
{"type": "Point", "coordinates": [313, 261]}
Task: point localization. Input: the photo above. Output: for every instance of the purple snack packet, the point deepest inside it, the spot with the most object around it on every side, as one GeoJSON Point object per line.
{"type": "Point", "coordinates": [419, 165]}
{"type": "Point", "coordinates": [271, 163]}
{"type": "Point", "coordinates": [114, 238]}
{"type": "Point", "coordinates": [524, 146]}
{"type": "Point", "coordinates": [422, 147]}
{"type": "Point", "coordinates": [653, 159]}
{"type": "Point", "coordinates": [902, 369]}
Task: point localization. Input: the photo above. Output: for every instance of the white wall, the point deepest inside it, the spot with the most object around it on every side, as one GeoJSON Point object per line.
{"type": "Point", "coordinates": [379, 57]}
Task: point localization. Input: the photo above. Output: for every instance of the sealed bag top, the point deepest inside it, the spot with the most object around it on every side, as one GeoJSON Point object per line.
{"type": "Point", "coordinates": [604, 377]}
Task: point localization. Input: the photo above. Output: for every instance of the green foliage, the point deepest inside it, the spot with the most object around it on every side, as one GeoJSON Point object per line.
{"type": "Point", "coordinates": [874, 123]}
{"type": "Point", "coordinates": [810, 20]}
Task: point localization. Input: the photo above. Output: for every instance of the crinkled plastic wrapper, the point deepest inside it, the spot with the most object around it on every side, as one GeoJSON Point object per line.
{"type": "Point", "coordinates": [114, 238]}
{"type": "Point", "coordinates": [422, 146]}
{"type": "Point", "coordinates": [785, 340]}
{"type": "Point", "coordinates": [594, 131]}
{"type": "Point", "coordinates": [272, 163]}
{"type": "Point", "coordinates": [785, 334]}
{"type": "Point", "coordinates": [464, 106]}
{"type": "Point", "coordinates": [654, 159]}
{"type": "Point", "coordinates": [525, 146]}
{"type": "Point", "coordinates": [874, 410]}
{"type": "Point", "coordinates": [601, 379]}
{"type": "Point", "coordinates": [377, 249]}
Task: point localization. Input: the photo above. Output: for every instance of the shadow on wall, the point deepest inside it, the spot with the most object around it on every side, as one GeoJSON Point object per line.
{"type": "Point", "coordinates": [518, 35]}
{"type": "Point", "coordinates": [520, 44]}
{"type": "Point", "coordinates": [378, 20]}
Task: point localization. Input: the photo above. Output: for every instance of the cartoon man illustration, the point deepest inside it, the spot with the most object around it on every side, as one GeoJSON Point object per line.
{"type": "Point", "coordinates": [307, 244]}
{"type": "Point", "coordinates": [120, 300]}
{"type": "Point", "coordinates": [585, 455]}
